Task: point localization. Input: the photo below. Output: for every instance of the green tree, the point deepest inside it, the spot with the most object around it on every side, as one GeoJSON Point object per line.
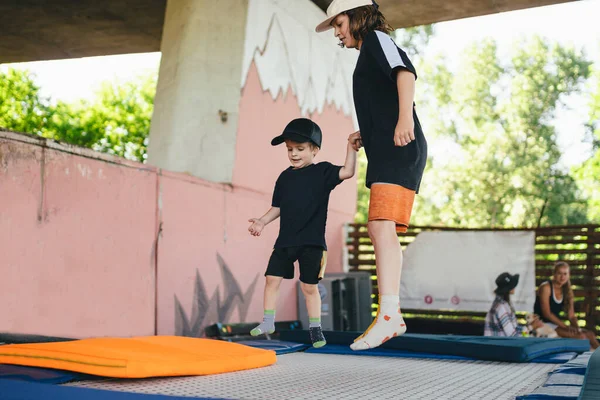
{"type": "Point", "coordinates": [123, 113]}
{"type": "Point", "coordinates": [22, 108]}
{"type": "Point", "coordinates": [116, 121]}
{"type": "Point", "coordinates": [588, 174]}
{"type": "Point", "coordinates": [503, 168]}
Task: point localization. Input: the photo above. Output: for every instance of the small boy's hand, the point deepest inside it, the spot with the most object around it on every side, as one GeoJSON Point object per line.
{"type": "Point", "coordinates": [256, 227]}
{"type": "Point", "coordinates": [405, 132]}
{"type": "Point", "coordinates": [355, 140]}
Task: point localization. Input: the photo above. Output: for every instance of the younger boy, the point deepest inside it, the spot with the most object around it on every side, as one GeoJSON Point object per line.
{"type": "Point", "coordinates": [300, 198]}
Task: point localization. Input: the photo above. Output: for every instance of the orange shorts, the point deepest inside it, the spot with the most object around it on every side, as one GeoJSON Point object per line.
{"type": "Point", "coordinates": [391, 203]}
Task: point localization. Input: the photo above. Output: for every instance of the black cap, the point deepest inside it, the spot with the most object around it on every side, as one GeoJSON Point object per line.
{"type": "Point", "coordinates": [300, 130]}
{"type": "Point", "coordinates": [506, 282]}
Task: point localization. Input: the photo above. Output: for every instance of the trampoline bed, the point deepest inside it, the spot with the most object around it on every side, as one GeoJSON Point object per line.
{"type": "Point", "coordinates": [390, 373]}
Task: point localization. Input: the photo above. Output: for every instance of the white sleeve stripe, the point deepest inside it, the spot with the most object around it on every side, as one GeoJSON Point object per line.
{"type": "Point", "coordinates": [390, 50]}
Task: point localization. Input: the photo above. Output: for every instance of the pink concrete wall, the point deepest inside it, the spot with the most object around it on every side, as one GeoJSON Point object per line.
{"type": "Point", "coordinates": [78, 233]}
{"type": "Point", "coordinates": [207, 260]}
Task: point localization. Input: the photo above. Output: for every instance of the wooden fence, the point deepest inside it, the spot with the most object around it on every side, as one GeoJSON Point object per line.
{"type": "Point", "coordinates": [579, 245]}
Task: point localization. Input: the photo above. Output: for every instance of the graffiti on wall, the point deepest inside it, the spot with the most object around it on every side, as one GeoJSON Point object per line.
{"type": "Point", "coordinates": [206, 311]}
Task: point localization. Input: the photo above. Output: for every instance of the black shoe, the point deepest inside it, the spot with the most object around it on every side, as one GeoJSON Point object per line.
{"type": "Point", "coordinates": [316, 337]}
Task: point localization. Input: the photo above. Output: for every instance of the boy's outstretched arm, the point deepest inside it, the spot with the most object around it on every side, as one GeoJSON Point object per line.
{"type": "Point", "coordinates": [259, 223]}
{"type": "Point", "coordinates": [354, 143]}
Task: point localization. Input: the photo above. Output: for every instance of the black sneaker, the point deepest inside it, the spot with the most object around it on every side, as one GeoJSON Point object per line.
{"type": "Point", "coordinates": [316, 337]}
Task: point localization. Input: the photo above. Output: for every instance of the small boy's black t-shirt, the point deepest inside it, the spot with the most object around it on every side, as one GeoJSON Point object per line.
{"type": "Point", "coordinates": [302, 195]}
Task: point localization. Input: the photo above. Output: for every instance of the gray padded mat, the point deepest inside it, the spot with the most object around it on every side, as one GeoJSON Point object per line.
{"type": "Point", "coordinates": [326, 376]}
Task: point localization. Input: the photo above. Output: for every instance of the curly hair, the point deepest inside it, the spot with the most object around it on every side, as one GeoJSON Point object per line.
{"type": "Point", "coordinates": [366, 19]}
{"type": "Point", "coordinates": [567, 290]}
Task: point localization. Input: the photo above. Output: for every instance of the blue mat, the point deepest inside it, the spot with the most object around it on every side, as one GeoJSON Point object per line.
{"type": "Point", "coordinates": [18, 390]}
{"type": "Point", "coordinates": [20, 338]}
{"type": "Point", "coordinates": [591, 383]}
{"type": "Point", "coordinates": [279, 346]}
{"type": "Point", "coordinates": [553, 393]}
{"type": "Point", "coordinates": [42, 375]}
{"type": "Point", "coordinates": [478, 347]}
{"type": "Point", "coordinates": [385, 352]}
{"type": "Point", "coordinates": [379, 352]}
{"type": "Point", "coordinates": [577, 366]}
{"type": "Point", "coordinates": [564, 380]}
{"type": "Point", "coordinates": [567, 382]}
{"type": "Point", "coordinates": [558, 358]}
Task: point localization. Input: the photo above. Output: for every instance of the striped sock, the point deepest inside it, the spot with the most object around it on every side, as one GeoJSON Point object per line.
{"type": "Point", "coordinates": [267, 326]}
{"type": "Point", "coordinates": [314, 322]}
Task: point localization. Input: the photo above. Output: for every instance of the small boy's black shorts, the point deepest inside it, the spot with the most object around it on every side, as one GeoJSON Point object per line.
{"type": "Point", "coordinates": [312, 261]}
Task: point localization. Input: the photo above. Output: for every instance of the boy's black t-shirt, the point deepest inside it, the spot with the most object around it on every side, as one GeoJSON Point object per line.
{"type": "Point", "coordinates": [302, 195]}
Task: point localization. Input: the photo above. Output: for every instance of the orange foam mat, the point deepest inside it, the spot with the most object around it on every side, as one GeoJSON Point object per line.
{"type": "Point", "coordinates": [139, 357]}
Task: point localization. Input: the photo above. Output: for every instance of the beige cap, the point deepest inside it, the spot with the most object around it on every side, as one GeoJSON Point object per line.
{"type": "Point", "coordinates": [337, 7]}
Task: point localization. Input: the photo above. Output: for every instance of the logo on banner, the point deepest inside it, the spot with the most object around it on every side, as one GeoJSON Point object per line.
{"type": "Point", "coordinates": [455, 300]}
{"type": "Point", "coordinates": [428, 299]}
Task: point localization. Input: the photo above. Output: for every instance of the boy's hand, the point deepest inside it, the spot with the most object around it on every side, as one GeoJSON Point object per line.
{"type": "Point", "coordinates": [355, 140]}
{"type": "Point", "coordinates": [405, 131]}
{"type": "Point", "coordinates": [256, 227]}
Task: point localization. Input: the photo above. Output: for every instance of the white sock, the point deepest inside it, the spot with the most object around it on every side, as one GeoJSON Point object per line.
{"type": "Point", "coordinates": [389, 324]}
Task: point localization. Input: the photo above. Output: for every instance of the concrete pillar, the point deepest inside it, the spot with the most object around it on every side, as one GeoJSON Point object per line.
{"type": "Point", "coordinates": [195, 117]}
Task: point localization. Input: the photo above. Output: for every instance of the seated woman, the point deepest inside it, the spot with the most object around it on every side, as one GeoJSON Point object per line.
{"type": "Point", "coordinates": [556, 295]}
{"type": "Point", "coordinates": [501, 320]}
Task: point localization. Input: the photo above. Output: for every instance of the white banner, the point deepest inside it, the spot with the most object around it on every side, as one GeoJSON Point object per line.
{"type": "Point", "coordinates": [457, 270]}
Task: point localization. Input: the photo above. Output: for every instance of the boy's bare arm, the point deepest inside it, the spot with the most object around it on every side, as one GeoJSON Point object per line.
{"type": "Point", "coordinates": [349, 168]}
{"type": "Point", "coordinates": [271, 215]}
{"type": "Point", "coordinates": [259, 223]}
